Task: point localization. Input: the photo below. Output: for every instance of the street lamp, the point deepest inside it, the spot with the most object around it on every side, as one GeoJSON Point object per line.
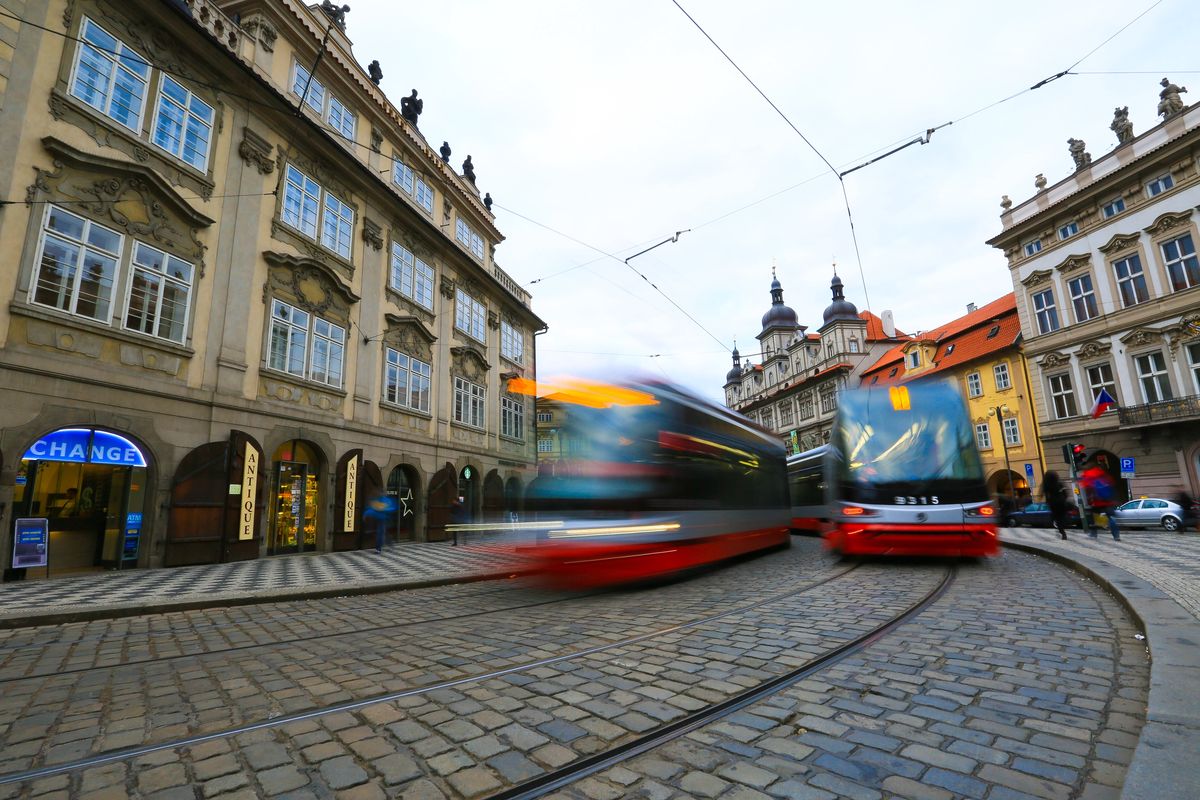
{"type": "Point", "coordinates": [999, 412]}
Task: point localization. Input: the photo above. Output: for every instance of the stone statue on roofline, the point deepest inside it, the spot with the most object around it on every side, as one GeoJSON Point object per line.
{"type": "Point", "coordinates": [336, 13]}
{"type": "Point", "coordinates": [376, 73]}
{"type": "Point", "coordinates": [1121, 125]}
{"type": "Point", "coordinates": [1170, 103]}
{"type": "Point", "coordinates": [469, 170]}
{"type": "Point", "coordinates": [487, 201]}
{"type": "Point", "coordinates": [411, 108]}
{"type": "Point", "coordinates": [1082, 158]}
{"type": "Point", "coordinates": [445, 151]}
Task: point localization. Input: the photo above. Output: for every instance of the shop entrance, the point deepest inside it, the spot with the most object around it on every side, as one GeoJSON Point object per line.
{"type": "Point", "coordinates": [294, 503]}
{"type": "Point", "coordinates": [91, 486]}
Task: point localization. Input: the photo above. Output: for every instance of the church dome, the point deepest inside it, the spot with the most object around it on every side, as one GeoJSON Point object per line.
{"type": "Point", "coordinates": [840, 308]}
{"type": "Point", "coordinates": [778, 315]}
{"type": "Point", "coordinates": [734, 375]}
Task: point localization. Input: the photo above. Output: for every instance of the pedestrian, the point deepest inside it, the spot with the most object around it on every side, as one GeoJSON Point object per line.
{"type": "Point", "coordinates": [379, 512]}
{"type": "Point", "coordinates": [1056, 499]}
{"type": "Point", "coordinates": [1190, 511]}
{"type": "Point", "coordinates": [1098, 488]}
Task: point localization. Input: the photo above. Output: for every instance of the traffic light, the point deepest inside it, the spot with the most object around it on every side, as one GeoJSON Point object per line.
{"type": "Point", "coordinates": [1079, 456]}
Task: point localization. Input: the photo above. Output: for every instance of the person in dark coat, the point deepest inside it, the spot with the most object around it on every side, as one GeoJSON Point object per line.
{"type": "Point", "coordinates": [1056, 499]}
{"type": "Point", "coordinates": [379, 512]}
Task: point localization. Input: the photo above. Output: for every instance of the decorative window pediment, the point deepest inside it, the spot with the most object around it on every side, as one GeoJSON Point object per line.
{"type": "Point", "coordinates": [1072, 263]}
{"type": "Point", "coordinates": [1118, 243]}
{"type": "Point", "coordinates": [1165, 222]}
{"type": "Point", "coordinates": [309, 283]}
{"type": "Point", "coordinates": [468, 362]}
{"type": "Point", "coordinates": [1037, 277]}
{"type": "Point", "coordinates": [1140, 337]}
{"type": "Point", "coordinates": [409, 335]}
{"type": "Point", "coordinates": [132, 198]}
{"type": "Point", "coordinates": [1052, 360]}
{"type": "Point", "coordinates": [1094, 349]}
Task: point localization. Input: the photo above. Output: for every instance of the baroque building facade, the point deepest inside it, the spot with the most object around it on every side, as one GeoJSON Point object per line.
{"type": "Point", "coordinates": [793, 390]}
{"type": "Point", "coordinates": [980, 353]}
{"type": "Point", "coordinates": [244, 293]}
{"type": "Point", "coordinates": [1107, 283]}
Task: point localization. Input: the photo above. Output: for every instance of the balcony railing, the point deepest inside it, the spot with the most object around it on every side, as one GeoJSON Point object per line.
{"type": "Point", "coordinates": [1177, 409]}
{"type": "Point", "coordinates": [512, 286]}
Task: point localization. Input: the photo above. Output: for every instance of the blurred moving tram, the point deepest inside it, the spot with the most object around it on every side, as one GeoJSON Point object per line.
{"type": "Point", "coordinates": [901, 475]}
{"type": "Point", "coordinates": [660, 481]}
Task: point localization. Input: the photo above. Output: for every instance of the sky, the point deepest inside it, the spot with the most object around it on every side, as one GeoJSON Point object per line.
{"type": "Point", "coordinates": [602, 128]}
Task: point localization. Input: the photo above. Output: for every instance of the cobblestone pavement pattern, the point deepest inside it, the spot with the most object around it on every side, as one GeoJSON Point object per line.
{"type": "Point", "coordinates": [1008, 685]}
{"type": "Point", "coordinates": [1169, 561]}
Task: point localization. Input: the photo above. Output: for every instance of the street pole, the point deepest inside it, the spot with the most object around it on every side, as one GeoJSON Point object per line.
{"type": "Point", "coordinates": [1012, 492]}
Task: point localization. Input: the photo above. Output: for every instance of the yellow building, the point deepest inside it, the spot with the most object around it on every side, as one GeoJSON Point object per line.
{"type": "Point", "coordinates": [981, 353]}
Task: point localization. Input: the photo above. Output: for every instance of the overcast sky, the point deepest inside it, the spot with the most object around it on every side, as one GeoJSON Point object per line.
{"type": "Point", "coordinates": [617, 123]}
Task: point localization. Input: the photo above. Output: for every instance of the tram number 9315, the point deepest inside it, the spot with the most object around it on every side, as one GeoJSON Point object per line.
{"type": "Point", "coordinates": [931, 500]}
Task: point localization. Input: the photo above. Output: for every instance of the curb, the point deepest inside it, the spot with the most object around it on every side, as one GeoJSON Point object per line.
{"type": "Point", "coordinates": [93, 613]}
{"type": "Point", "coordinates": [1164, 763]}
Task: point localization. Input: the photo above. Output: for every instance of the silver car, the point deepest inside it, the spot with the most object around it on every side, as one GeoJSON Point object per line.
{"type": "Point", "coordinates": [1150, 512]}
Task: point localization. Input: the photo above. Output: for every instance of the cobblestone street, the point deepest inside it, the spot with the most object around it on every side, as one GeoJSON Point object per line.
{"type": "Point", "coordinates": [1022, 680]}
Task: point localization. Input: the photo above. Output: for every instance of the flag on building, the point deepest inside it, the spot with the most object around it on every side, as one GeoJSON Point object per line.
{"type": "Point", "coordinates": [1104, 401]}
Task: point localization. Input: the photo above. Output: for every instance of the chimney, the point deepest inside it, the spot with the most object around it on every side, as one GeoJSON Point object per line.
{"type": "Point", "coordinates": [971, 308]}
{"type": "Point", "coordinates": [889, 325]}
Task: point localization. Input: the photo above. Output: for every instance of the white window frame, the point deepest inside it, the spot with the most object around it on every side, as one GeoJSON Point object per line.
{"type": "Point", "coordinates": [1083, 298]}
{"type": "Point", "coordinates": [974, 385]}
{"type": "Point", "coordinates": [828, 399]}
{"type": "Point", "coordinates": [470, 315]}
{"type": "Point", "coordinates": [1134, 280]}
{"type": "Point", "coordinates": [407, 381]}
{"type": "Point", "coordinates": [190, 118]}
{"type": "Point", "coordinates": [1113, 207]}
{"type": "Point", "coordinates": [1012, 431]}
{"type": "Point", "coordinates": [174, 273]}
{"type": "Point", "coordinates": [787, 415]}
{"type": "Point", "coordinates": [305, 85]}
{"type": "Point", "coordinates": [1159, 185]}
{"type": "Point", "coordinates": [121, 63]}
{"type": "Point", "coordinates": [1045, 311]}
{"type": "Point", "coordinates": [512, 417]}
{"type": "Point", "coordinates": [327, 361]}
{"type": "Point", "coordinates": [337, 228]}
{"type": "Point", "coordinates": [545, 445]}
{"type": "Point", "coordinates": [1193, 351]}
{"type": "Point", "coordinates": [1067, 231]}
{"type": "Point", "coordinates": [983, 435]}
{"type": "Point", "coordinates": [467, 236]}
{"type": "Point", "coordinates": [423, 194]}
{"type": "Point", "coordinates": [332, 225]}
{"type": "Point", "coordinates": [1099, 380]}
{"type": "Point", "coordinates": [512, 343]}
{"type": "Point", "coordinates": [1062, 395]}
{"type": "Point", "coordinates": [341, 118]}
{"type": "Point", "coordinates": [469, 403]}
{"type": "Point", "coordinates": [87, 248]}
{"type": "Point", "coordinates": [545, 416]}
{"type": "Point", "coordinates": [322, 345]}
{"type": "Point", "coordinates": [1154, 377]}
{"type": "Point", "coordinates": [1002, 377]}
{"type": "Point", "coordinates": [403, 175]}
{"type": "Point", "coordinates": [913, 359]}
{"type": "Point", "coordinates": [411, 276]}
{"type": "Point", "coordinates": [1032, 247]}
{"type": "Point", "coordinates": [1190, 273]}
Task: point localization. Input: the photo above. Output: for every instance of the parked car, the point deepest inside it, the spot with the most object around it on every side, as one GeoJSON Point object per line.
{"type": "Point", "coordinates": [1037, 515]}
{"type": "Point", "coordinates": [1150, 512]}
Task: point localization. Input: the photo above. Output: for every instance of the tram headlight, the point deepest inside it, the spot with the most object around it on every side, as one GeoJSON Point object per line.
{"type": "Point", "coordinates": [858, 511]}
{"type": "Point", "coordinates": [982, 511]}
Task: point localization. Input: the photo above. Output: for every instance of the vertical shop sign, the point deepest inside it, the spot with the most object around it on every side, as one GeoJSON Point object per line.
{"type": "Point", "coordinates": [249, 492]}
{"type": "Point", "coordinates": [350, 507]}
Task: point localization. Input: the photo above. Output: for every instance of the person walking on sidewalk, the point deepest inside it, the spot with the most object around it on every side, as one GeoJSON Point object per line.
{"type": "Point", "coordinates": [1056, 499]}
{"type": "Point", "coordinates": [379, 512]}
{"type": "Point", "coordinates": [1101, 499]}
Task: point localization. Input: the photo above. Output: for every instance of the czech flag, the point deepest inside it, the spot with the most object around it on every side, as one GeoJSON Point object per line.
{"type": "Point", "coordinates": [1104, 401]}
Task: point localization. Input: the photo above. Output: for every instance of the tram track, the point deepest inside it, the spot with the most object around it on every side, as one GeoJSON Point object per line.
{"type": "Point", "coordinates": [125, 754]}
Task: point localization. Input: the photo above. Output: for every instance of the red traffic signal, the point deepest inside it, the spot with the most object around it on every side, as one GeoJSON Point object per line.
{"type": "Point", "coordinates": [1079, 455]}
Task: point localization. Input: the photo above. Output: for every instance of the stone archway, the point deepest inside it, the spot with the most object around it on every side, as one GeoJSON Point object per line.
{"type": "Point", "coordinates": [493, 496]}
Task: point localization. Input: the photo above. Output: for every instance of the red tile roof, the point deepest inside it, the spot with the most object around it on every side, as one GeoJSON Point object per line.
{"type": "Point", "coordinates": [959, 342]}
{"type": "Point", "coordinates": [875, 327]}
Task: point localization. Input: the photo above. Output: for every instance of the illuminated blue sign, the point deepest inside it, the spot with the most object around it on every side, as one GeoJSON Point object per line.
{"type": "Point", "coordinates": [86, 446]}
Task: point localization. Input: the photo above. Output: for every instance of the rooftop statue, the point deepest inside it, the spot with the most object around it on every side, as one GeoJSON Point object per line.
{"type": "Point", "coordinates": [487, 201]}
{"type": "Point", "coordinates": [1170, 103]}
{"type": "Point", "coordinates": [1082, 158]}
{"type": "Point", "coordinates": [411, 108]}
{"type": "Point", "coordinates": [336, 13]}
{"type": "Point", "coordinates": [1121, 125]}
{"type": "Point", "coordinates": [469, 170]}
{"type": "Point", "coordinates": [376, 74]}
{"type": "Point", "coordinates": [1040, 181]}
{"type": "Point", "coordinates": [445, 151]}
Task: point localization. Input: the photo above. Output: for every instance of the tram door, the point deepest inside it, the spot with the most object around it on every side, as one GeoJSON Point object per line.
{"type": "Point", "coordinates": [294, 521]}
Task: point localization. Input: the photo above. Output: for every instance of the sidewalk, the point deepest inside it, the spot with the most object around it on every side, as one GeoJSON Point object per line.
{"type": "Point", "coordinates": [104, 595]}
{"type": "Point", "coordinates": [1156, 575]}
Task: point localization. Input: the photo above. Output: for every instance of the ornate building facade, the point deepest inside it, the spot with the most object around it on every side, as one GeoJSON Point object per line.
{"type": "Point", "coordinates": [981, 353]}
{"type": "Point", "coordinates": [1107, 284]}
{"type": "Point", "coordinates": [244, 293]}
{"type": "Point", "coordinates": [793, 390]}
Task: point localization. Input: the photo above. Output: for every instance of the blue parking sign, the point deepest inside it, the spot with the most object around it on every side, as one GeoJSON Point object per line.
{"type": "Point", "coordinates": [1127, 470]}
{"type": "Point", "coordinates": [1029, 470]}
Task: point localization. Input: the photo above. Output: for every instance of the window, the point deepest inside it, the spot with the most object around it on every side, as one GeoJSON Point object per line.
{"type": "Point", "coordinates": [469, 314]}
{"type": "Point", "coordinates": [828, 399]}
{"type": "Point", "coordinates": [1068, 230]}
{"type": "Point", "coordinates": [1012, 431]}
{"type": "Point", "coordinates": [1100, 377]}
{"type": "Point", "coordinates": [110, 77]}
{"type": "Point", "coordinates": [411, 276]}
{"type": "Point", "coordinates": [1152, 372]}
{"type": "Point", "coordinates": [1159, 185]}
{"type": "Point", "coordinates": [1182, 267]}
{"type": "Point", "coordinates": [406, 381]}
{"type": "Point", "coordinates": [1003, 381]}
{"type": "Point", "coordinates": [992, 333]}
{"type": "Point", "coordinates": [512, 343]}
{"type": "Point", "coordinates": [1033, 247]}
{"type": "Point", "coordinates": [1113, 208]}
{"type": "Point", "coordinates": [1062, 396]}
{"type": "Point", "coordinates": [341, 119]}
{"type": "Point", "coordinates": [402, 175]}
{"type": "Point", "coordinates": [301, 199]}
{"type": "Point", "coordinates": [545, 416]}
{"type": "Point", "coordinates": [468, 403]}
{"type": "Point", "coordinates": [329, 108]}
{"type": "Point", "coordinates": [1193, 351]}
{"type": "Point", "coordinates": [914, 359]}
{"type": "Point", "coordinates": [853, 345]}
{"type": "Point", "coordinates": [1044, 310]}
{"type": "Point", "coordinates": [467, 235]}
{"type": "Point", "coordinates": [974, 385]}
{"type": "Point", "coordinates": [183, 125]}
{"type": "Point", "coordinates": [424, 195]}
{"type": "Point", "coordinates": [786, 414]}
{"type": "Point", "coordinates": [77, 269]}
{"type": "Point", "coordinates": [305, 345]}
{"type": "Point", "coordinates": [768, 418]}
{"type": "Point", "coordinates": [983, 436]}
{"type": "Point", "coordinates": [806, 406]}
{"type": "Point", "coordinates": [949, 349]}
{"type": "Point", "coordinates": [512, 418]}
{"type": "Point", "coordinates": [159, 294]}
{"type": "Point", "coordinates": [545, 445]}
{"type": "Point", "coordinates": [308, 87]}
{"type": "Point", "coordinates": [1131, 281]}
{"type": "Point", "coordinates": [1083, 298]}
